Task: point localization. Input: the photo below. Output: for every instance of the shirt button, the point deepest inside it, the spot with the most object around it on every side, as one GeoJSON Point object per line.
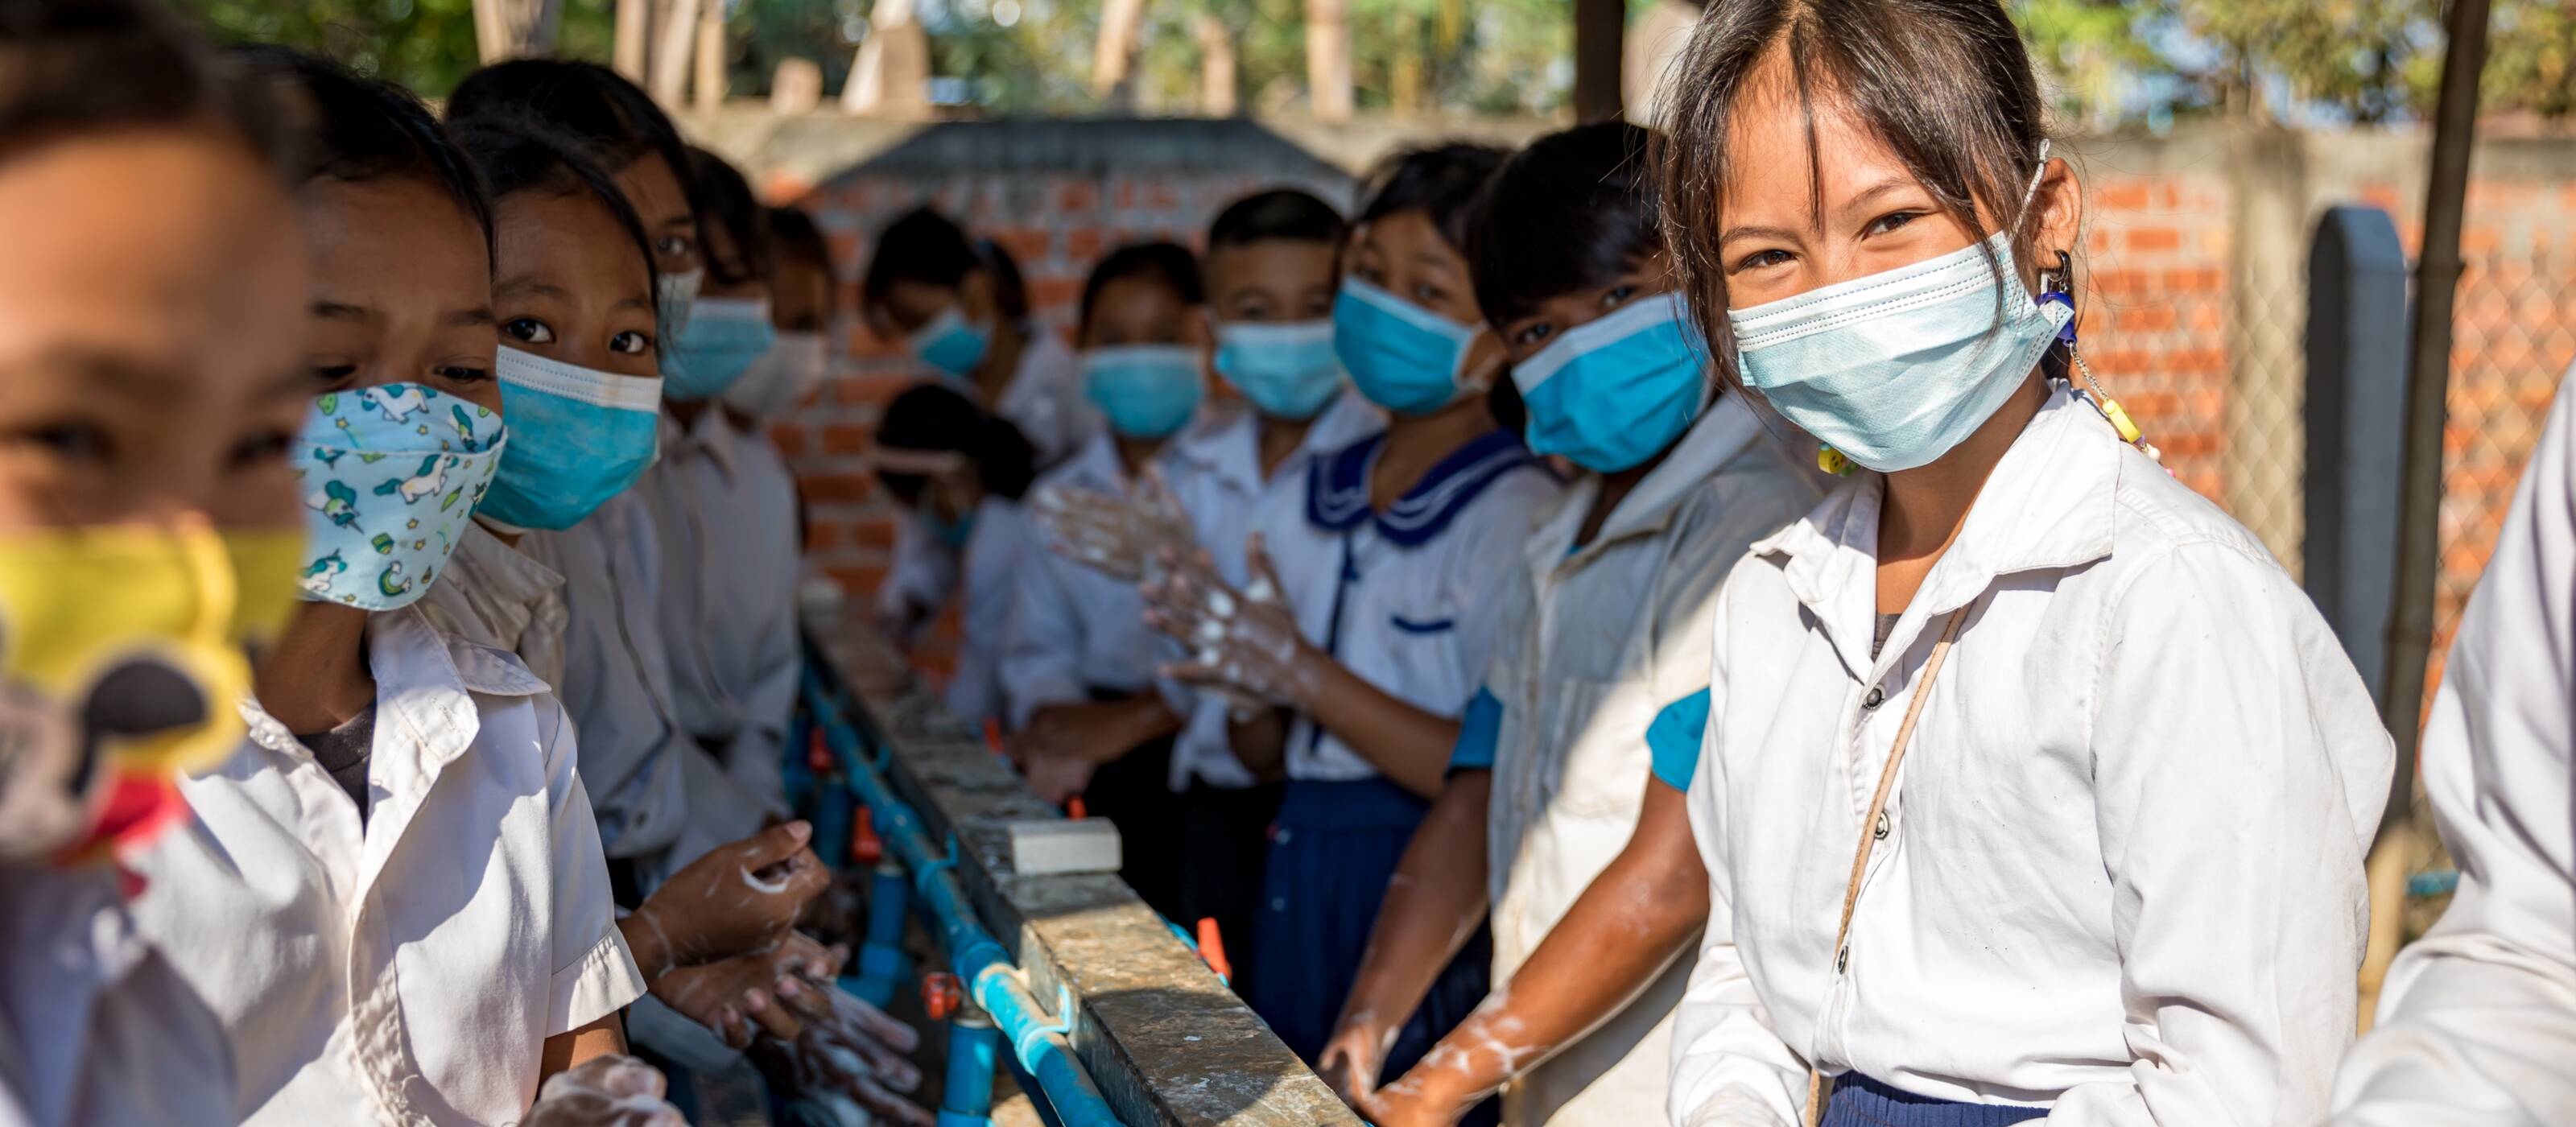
{"type": "Point", "coordinates": [1879, 832]}
{"type": "Point", "coordinates": [1877, 696]}
{"type": "Point", "coordinates": [1842, 960]}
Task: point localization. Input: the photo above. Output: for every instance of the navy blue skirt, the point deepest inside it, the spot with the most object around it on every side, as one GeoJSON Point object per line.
{"type": "Point", "coordinates": [1859, 1101]}
{"type": "Point", "coordinates": [1332, 849]}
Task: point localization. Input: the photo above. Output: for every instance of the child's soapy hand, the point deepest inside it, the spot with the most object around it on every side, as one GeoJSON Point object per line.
{"type": "Point", "coordinates": [849, 1061]}
{"type": "Point", "coordinates": [774, 991]}
{"type": "Point", "coordinates": [1121, 537]}
{"type": "Point", "coordinates": [609, 1091]}
{"type": "Point", "coordinates": [1244, 643]}
{"type": "Point", "coordinates": [1351, 1060]}
{"type": "Point", "coordinates": [738, 899]}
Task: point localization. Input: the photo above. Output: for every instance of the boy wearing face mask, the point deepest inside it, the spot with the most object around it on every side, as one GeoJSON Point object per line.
{"type": "Point", "coordinates": [1077, 669]}
{"type": "Point", "coordinates": [147, 524]}
{"type": "Point", "coordinates": [1556, 816]}
{"type": "Point", "coordinates": [1363, 645]}
{"type": "Point", "coordinates": [1271, 278]}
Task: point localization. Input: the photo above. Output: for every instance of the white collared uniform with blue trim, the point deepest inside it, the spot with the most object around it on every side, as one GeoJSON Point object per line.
{"type": "Point", "coordinates": [1215, 474]}
{"type": "Point", "coordinates": [409, 968]}
{"type": "Point", "coordinates": [1593, 640]}
{"type": "Point", "coordinates": [2120, 875]}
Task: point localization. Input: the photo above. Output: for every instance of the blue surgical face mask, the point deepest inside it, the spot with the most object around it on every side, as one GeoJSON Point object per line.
{"type": "Point", "coordinates": [1403, 357]}
{"type": "Point", "coordinates": [675, 297]}
{"type": "Point", "coordinates": [951, 344]}
{"type": "Point", "coordinates": [580, 438]}
{"type": "Point", "coordinates": [723, 337]}
{"type": "Point", "coordinates": [1287, 369]}
{"type": "Point", "coordinates": [1896, 369]}
{"type": "Point", "coordinates": [951, 534]}
{"type": "Point", "coordinates": [1616, 390]}
{"type": "Point", "coordinates": [389, 475]}
{"type": "Point", "coordinates": [1146, 390]}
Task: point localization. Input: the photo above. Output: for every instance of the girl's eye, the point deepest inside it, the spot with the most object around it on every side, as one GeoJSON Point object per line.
{"type": "Point", "coordinates": [1428, 295]}
{"type": "Point", "coordinates": [332, 375]}
{"type": "Point", "coordinates": [70, 441]}
{"type": "Point", "coordinates": [1760, 259]}
{"type": "Point", "coordinates": [1534, 334]}
{"type": "Point", "coordinates": [630, 343]}
{"type": "Point", "coordinates": [461, 373]}
{"type": "Point", "coordinates": [1617, 296]}
{"type": "Point", "coordinates": [266, 446]}
{"type": "Point", "coordinates": [671, 245]}
{"type": "Point", "coordinates": [529, 330]}
{"type": "Point", "coordinates": [1370, 274]}
{"type": "Point", "coordinates": [1892, 221]}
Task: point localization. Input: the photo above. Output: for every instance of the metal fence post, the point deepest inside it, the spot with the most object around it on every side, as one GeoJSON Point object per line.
{"type": "Point", "coordinates": [2356, 428]}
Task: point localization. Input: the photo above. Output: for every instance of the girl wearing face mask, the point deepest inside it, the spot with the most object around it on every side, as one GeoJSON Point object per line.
{"type": "Point", "coordinates": [960, 308]}
{"type": "Point", "coordinates": [1556, 816]}
{"type": "Point", "coordinates": [385, 758]}
{"type": "Point", "coordinates": [727, 544]}
{"type": "Point", "coordinates": [961, 473]}
{"type": "Point", "coordinates": [803, 287]}
{"type": "Point", "coordinates": [147, 524]}
{"type": "Point", "coordinates": [1077, 660]}
{"type": "Point", "coordinates": [2118, 878]}
{"type": "Point", "coordinates": [1355, 655]}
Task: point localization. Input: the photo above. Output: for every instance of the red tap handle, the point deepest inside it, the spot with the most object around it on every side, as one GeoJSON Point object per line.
{"type": "Point", "coordinates": [865, 847]}
{"type": "Point", "coordinates": [940, 994]}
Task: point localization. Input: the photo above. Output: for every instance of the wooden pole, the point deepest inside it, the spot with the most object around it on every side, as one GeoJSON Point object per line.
{"type": "Point", "coordinates": [671, 56]}
{"type": "Point", "coordinates": [1328, 60]}
{"type": "Point", "coordinates": [634, 20]}
{"type": "Point", "coordinates": [1599, 26]}
{"type": "Point", "coordinates": [1216, 67]}
{"type": "Point", "coordinates": [709, 83]}
{"type": "Point", "coordinates": [2428, 386]}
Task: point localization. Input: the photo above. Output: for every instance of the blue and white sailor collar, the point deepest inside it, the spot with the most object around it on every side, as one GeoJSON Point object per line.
{"type": "Point", "coordinates": [1337, 486]}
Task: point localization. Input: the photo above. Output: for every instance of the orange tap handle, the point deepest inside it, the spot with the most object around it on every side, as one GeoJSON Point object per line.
{"type": "Point", "coordinates": [1212, 948]}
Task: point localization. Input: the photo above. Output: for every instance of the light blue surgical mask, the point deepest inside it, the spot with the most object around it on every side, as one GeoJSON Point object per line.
{"type": "Point", "coordinates": [1616, 390]}
{"type": "Point", "coordinates": [950, 343]}
{"type": "Point", "coordinates": [1287, 369]}
{"type": "Point", "coordinates": [951, 534]}
{"type": "Point", "coordinates": [1146, 390]}
{"type": "Point", "coordinates": [1403, 357]}
{"type": "Point", "coordinates": [1896, 369]}
{"type": "Point", "coordinates": [389, 474]}
{"type": "Point", "coordinates": [583, 436]}
{"type": "Point", "coordinates": [724, 336]}
{"type": "Point", "coordinates": [675, 296]}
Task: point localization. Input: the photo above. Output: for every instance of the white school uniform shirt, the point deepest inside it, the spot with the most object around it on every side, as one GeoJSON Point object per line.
{"type": "Point", "coordinates": [96, 1027]}
{"type": "Point", "coordinates": [1072, 628]}
{"type": "Point", "coordinates": [995, 548]}
{"type": "Point", "coordinates": [1215, 475]}
{"type": "Point", "coordinates": [1591, 642]}
{"type": "Point", "coordinates": [726, 518]}
{"type": "Point", "coordinates": [2122, 870]}
{"type": "Point", "coordinates": [1403, 599]}
{"type": "Point", "coordinates": [1045, 401]}
{"type": "Point", "coordinates": [2477, 1022]}
{"type": "Point", "coordinates": [493, 595]}
{"type": "Point", "coordinates": [662, 801]}
{"type": "Point", "coordinates": [408, 970]}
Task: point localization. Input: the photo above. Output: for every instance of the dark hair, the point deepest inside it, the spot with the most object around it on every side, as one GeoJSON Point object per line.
{"type": "Point", "coordinates": [1280, 213]}
{"type": "Point", "coordinates": [792, 235]}
{"type": "Point", "coordinates": [1440, 181]}
{"type": "Point", "coordinates": [932, 417]}
{"type": "Point", "coordinates": [1587, 195]}
{"type": "Point", "coordinates": [924, 246]}
{"type": "Point", "coordinates": [69, 67]}
{"type": "Point", "coordinates": [729, 203]}
{"type": "Point", "coordinates": [1170, 264]}
{"type": "Point", "coordinates": [517, 157]}
{"type": "Point", "coordinates": [1945, 83]}
{"type": "Point", "coordinates": [589, 103]}
{"type": "Point", "coordinates": [366, 130]}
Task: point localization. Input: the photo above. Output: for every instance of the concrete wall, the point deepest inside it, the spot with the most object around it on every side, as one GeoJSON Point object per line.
{"type": "Point", "coordinates": [2194, 260]}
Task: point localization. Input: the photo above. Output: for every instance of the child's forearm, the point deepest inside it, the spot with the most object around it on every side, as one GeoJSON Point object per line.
{"type": "Point", "coordinates": [1433, 903]}
{"type": "Point", "coordinates": [1405, 743]}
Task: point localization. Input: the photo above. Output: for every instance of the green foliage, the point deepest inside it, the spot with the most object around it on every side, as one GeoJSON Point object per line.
{"type": "Point", "coordinates": [427, 45]}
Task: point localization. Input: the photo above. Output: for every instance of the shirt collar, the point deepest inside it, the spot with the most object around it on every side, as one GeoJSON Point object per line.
{"type": "Point", "coordinates": [1723, 431]}
{"type": "Point", "coordinates": [1228, 447]}
{"type": "Point", "coordinates": [1337, 486]}
{"type": "Point", "coordinates": [1095, 465]}
{"type": "Point", "coordinates": [710, 435]}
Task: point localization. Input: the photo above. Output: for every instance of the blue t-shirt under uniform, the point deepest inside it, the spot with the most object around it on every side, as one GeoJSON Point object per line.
{"type": "Point", "coordinates": [1673, 738]}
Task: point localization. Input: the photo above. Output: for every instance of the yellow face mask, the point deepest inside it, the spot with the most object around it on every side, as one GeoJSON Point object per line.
{"type": "Point", "coordinates": [122, 662]}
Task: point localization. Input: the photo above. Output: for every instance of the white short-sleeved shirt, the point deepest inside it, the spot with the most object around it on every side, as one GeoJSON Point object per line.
{"type": "Point", "coordinates": [410, 969]}
{"type": "Point", "coordinates": [1404, 599]}
{"type": "Point", "coordinates": [1592, 642]}
{"type": "Point", "coordinates": [1215, 475]}
{"type": "Point", "coordinates": [2121, 875]}
{"type": "Point", "coordinates": [96, 1027]}
{"type": "Point", "coordinates": [1072, 628]}
{"type": "Point", "coordinates": [494, 595]}
{"type": "Point", "coordinates": [725, 512]}
{"type": "Point", "coordinates": [2477, 1024]}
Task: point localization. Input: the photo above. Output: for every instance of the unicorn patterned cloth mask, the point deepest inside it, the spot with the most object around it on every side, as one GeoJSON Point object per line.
{"type": "Point", "coordinates": [390, 475]}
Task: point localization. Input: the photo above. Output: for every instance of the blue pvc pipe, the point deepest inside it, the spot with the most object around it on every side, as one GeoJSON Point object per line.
{"type": "Point", "coordinates": [882, 967]}
{"type": "Point", "coordinates": [1037, 1040]}
{"type": "Point", "coordinates": [973, 1047]}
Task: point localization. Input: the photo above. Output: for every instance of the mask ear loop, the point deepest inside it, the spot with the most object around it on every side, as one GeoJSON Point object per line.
{"type": "Point", "coordinates": [2053, 286]}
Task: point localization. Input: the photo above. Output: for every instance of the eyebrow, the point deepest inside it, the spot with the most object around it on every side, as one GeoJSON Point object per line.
{"type": "Point", "coordinates": [468, 318]}
{"type": "Point", "coordinates": [532, 287]}
{"type": "Point", "coordinates": [1874, 191]}
{"type": "Point", "coordinates": [1735, 233]}
{"type": "Point", "coordinates": [634, 303]}
{"type": "Point", "coordinates": [342, 311]}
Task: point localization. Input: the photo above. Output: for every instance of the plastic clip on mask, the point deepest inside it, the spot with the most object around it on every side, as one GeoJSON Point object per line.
{"type": "Point", "coordinates": [1146, 390]}
{"type": "Point", "coordinates": [122, 654]}
{"type": "Point", "coordinates": [782, 379]}
{"type": "Point", "coordinates": [583, 436]}
{"type": "Point", "coordinates": [950, 343]}
{"type": "Point", "coordinates": [1616, 390]}
{"type": "Point", "coordinates": [1287, 370]}
{"type": "Point", "coordinates": [675, 298]}
{"type": "Point", "coordinates": [390, 475]}
{"type": "Point", "coordinates": [1403, 357]}
{"type": "Point", "coordinates": [1895, 369]}
{"type": "Point", "coordinates": [724, 337]}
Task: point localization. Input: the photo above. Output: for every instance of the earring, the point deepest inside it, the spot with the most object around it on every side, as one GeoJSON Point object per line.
{"type": "Point", "coordinates": [2059, 291]}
